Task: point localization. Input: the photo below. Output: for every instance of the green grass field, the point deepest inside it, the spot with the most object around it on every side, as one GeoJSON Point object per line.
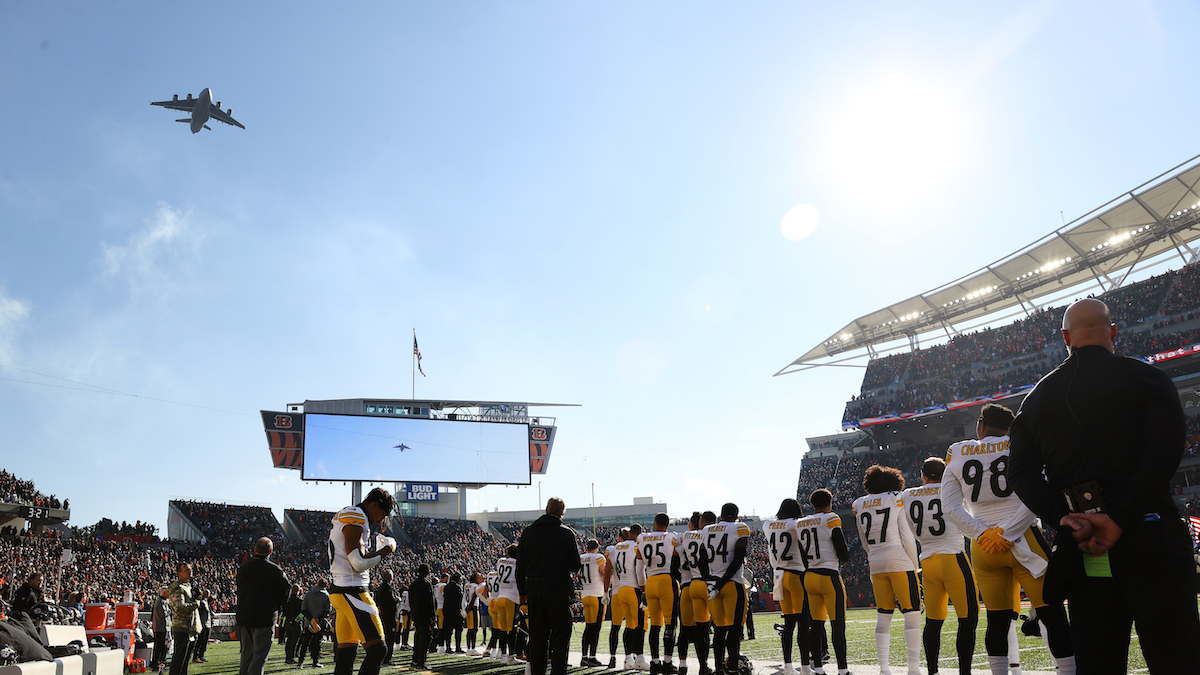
{"type": "Point", "coordinates": [764, 651]}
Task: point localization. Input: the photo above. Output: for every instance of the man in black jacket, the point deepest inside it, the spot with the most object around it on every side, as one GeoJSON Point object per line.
{"type": "Point", "coordinates": [1108, 433]}
{"type": "Point", "coordinates": [28, 596]}
{"type": "Point", "coordinates": [423, 611]}
{"type": "Point", "coordinates": [293, 626]}
{"type": "Point", "coordinates": [385, 598]}
{"type": "Point", "coordinates": [547, 560]}
{"type": "Point", "coordinates": [261, 589]}
{"type": "Point", "coordinates": [452, 613]}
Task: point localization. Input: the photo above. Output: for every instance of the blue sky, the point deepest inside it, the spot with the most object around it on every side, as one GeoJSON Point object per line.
{"type": "Point", "coordinates": [571, 202]}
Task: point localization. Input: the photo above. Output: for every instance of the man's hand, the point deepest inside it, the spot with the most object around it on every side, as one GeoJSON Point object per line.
{"type": "Point", "coordinates": [524, 599]}
{"type": "Point", "coordinates": [992, 540]}
{"type": "Point", "coordinates": [713, 590]}
{"type": "Point", "coordinates": [1095, 532]}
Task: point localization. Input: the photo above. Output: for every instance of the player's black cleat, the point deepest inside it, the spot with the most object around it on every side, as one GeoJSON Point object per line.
{"type": "Point", "coordinates": [612, 662]}
{"type": "Point", "coordinates": [669, 669]}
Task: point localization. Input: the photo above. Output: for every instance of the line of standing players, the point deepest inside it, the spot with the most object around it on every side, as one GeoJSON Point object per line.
{"type": "Point", "coordinates": [698, 578]}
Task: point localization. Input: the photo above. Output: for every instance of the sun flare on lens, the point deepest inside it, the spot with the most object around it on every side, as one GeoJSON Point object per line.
{"type": "Point", "coordinates": [799, 221]}
{"type": "Point", "coordinates": [894, 143]}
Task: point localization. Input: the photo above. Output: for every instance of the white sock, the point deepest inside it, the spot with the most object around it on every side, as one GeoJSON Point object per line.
{"type": "Point", "coordinates": [998, 664]}
{"type": "Point", "coordinates": [1065, 665]}
{"type": "Point", "coordinates": [805, 670]}
{"type": "Point", "coordinates": [667, 658]}
{"type": "Point", "coordinates": [883, 641]}
{"type": "Point", "coordinates": [1014, 650]}
{"type": "Point", "coordinates": [912, 640]}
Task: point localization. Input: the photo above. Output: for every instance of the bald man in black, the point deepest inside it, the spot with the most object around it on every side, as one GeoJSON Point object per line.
{"type": "Point", "coordinates": [1111, 430]}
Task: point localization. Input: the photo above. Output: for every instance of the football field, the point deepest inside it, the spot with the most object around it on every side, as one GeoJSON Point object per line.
{"type": "Point", "coordinates": [764, 652]}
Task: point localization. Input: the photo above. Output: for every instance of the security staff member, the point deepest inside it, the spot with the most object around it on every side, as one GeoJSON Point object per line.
{"type": "Point", "coordinates": [547, 560]}
{"type": "Point", "coordinates": [385, 598]}
{"type": "Point", "coordinates": [423, 611]}
{"type": "Point", "coordinates": [1110, 430]}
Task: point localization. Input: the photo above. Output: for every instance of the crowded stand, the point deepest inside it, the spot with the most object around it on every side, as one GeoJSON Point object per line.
{"type": "Point", "coordinates": [510, 530]}
{"type": "Point", "coordinates": [231, 527]}
{"type": "Point", "coordinates": [313, 525]}
{"type": "Point", "coordinates": [994, 360]}
{"type": "Point", "coordinates": [13, 490]}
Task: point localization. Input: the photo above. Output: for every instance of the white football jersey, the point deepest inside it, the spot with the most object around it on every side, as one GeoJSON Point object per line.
{"type": "Point", "coordinates": [935, 532]}
{"type": "Point", "coordinates": [887, 536]}
{"type": "Point", "coordinates": [657, 549]}
{"type": "Point", "coordinates": [492, 581]}
{"type": "Point", "coordinates": [624, 565]}
{"type": "Point", "coordinates": [339, 562]}
{"type": "Point", "coordinates": [977, 497]}
{"type": "Point", "coordinates": [506, 579]}
{"type": "Point", "coordinates": [439, 593]}
{"type": "Point", "coordinates": [404, 601]}
{"type": "Point", "coordinates": [782, 548]}
{"type": "Point", "coordinates": [814, 535]}
{"type": "Point", "coordinates": [591, 570]}
{"type": "Point", "coordinates": [691, 543]}
{"type": "Point", "coordinates": [719, 541]}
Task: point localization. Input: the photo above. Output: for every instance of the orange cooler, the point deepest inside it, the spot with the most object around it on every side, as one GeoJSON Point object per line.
{"type": "Point", "coordinates": [95, 616]}
{"type": "Point", "coordinates": [126, 615]}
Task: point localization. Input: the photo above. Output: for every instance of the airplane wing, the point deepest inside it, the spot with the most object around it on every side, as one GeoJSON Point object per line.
{"type": "Point", "coordinates": [222, 116]}
{"type": "Point", "coordinates": [185, 105]}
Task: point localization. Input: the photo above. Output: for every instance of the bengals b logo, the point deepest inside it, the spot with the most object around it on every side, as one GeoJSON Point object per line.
{"type": "Point", "coordinates": [283, 422]}
{"type": "Point", "coordinates": [538, 433]}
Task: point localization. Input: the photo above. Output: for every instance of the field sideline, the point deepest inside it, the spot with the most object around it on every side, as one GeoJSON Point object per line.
{"type": "Point", "coordinates": [763, 652]}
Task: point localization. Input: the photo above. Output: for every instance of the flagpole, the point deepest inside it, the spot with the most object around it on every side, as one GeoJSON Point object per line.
{"type": "Point", "coordinates": [414, 360]}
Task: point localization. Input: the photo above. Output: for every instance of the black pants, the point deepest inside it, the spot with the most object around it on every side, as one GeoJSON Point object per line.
{"type": "Point", "coordinates": [421, 641]}
{"type": "Point", "coordinates": [159, 657]}
{"type": "Point", "coordinates": [1153, 587]}
{"type": "Point", "coordinates": [549, 630]}
{"type": "Point", "coordinates": [182, 654]}
{"type": "Point", "coordinates": [293, 631]}
{"type": "Point", "coordinates": [310, 643]}
{"type": "Point", "coordinates": [389, 637]}
{"type": "Point", "coordinates": [201, 644]}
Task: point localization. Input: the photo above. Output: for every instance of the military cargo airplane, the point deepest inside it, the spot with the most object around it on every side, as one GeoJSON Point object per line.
{"type": "Point", "coordinates": [402, 447]}
{"type": "Point", "coordinates": [202, 109]}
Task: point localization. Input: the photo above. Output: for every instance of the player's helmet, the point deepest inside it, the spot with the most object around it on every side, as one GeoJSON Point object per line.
{"type": "Point", "coordinates": [744, 667]}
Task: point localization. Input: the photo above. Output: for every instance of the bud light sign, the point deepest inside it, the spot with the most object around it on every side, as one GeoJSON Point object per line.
{"type": "Point", "coordinates": [422, 492]}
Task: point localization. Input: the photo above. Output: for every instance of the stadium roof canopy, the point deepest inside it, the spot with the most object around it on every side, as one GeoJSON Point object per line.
{"type": "Point", "coordinates": [1101, 247]}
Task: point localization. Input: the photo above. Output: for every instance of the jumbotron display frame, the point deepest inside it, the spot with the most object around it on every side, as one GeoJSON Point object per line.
{"type": "Point", "coordinates": [285, 429]}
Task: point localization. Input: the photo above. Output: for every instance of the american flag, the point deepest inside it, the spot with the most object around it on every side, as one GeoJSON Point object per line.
{"type": "Point", "coordinates": [1194, 526]}
{"type": "Point", "coordinates": [417, 351]}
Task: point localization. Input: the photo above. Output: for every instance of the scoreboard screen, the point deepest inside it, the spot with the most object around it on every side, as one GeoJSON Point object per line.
{"type": "Point", "coordinates": [407, 449]}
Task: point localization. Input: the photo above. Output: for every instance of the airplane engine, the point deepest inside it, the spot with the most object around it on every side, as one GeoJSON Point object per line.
{"type": "Point", "coordinates": [176, 97]}
{"type": "Point", "coordinates": [229, 112]}
{"type": "Point", "coordinates": [189, 97]}
{"type": "Point", "coordinates": [218, 105]}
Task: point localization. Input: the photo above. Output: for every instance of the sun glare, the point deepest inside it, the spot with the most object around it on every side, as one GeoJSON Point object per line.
{"type": "Point", "coordinates": [894, 142]}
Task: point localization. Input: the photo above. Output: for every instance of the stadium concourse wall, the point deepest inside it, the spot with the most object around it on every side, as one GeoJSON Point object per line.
{"type": "Point", "coordinates": [642, 510]}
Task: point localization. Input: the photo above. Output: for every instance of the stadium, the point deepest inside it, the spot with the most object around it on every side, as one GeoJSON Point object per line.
{"type": "Point", "coordinates": [932, 362]}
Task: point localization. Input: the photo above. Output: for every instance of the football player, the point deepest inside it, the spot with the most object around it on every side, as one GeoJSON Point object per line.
{"type": "Point", "coordinates": [491, 586]}
{"type": "Point", "coordinates": [623, 584]}
{"type": "Point", "coordinates": [691, 547]}
{"type": "Point", "coordinates": [350, 566]}
{"type": "Point", "coordinates": [1006, 549]}
{"type": "Point", "coordinates": [722, 563]}
{"type": "Point", "coordinates": [661, 563]}
{"type": "Point", "coordinates": [591, 576]}
{"type": "Point", "coordinates": [786, 559]}
{"type": "Point", "coordinates": [439, 597]}
{"type": "Point", "coordinates": [945, 569]}
{"type": "Point", "coordinates": [507, 600]}
{"type": "Point", "coordinates": [891, 546]}
{"type": "Point", "coordinates": [823, 545]}
{"type": "Point", "coordinates": [472, 591]}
